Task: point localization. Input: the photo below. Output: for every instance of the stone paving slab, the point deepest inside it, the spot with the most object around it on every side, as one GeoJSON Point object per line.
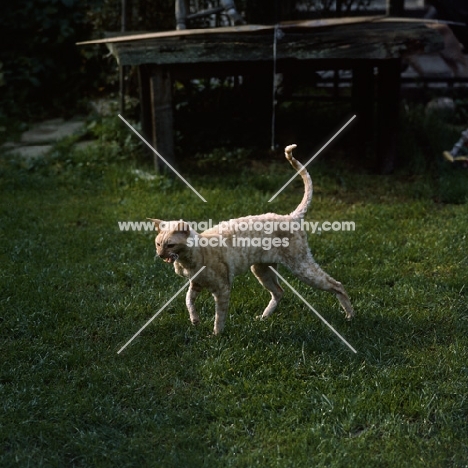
{"type": "Point", "coordinates": [51, 131]}
{"type": "Point", "coordinates": [37, 151]}
{"type": "Point", "coordinates": [41, 137]}
{"type": "Point", "coordinates": [28, 152]}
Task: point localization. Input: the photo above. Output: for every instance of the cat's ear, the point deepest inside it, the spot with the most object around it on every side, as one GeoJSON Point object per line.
{"type": "Point", "coordinates": [183, 228]}
{"type": "Point", "coordinates": [157, 223]}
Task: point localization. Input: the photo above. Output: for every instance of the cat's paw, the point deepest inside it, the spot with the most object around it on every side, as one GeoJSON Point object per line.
{"type": "Point", "coordinates": [349, 315]}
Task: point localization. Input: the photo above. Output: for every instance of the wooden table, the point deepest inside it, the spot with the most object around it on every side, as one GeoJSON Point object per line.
{"type": "Point", "coordinates": [363, 45]}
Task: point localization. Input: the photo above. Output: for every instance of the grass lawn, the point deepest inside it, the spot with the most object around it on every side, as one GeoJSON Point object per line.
{"type": "Point", "coordinates": [284, 392]}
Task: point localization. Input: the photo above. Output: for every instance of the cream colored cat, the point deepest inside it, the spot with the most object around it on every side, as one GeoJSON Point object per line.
{"type": "Point", "coordinates": [224, 256]}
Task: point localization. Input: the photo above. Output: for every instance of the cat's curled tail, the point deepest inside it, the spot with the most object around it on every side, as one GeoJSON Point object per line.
{"type": "Point", "coordinates": [301, 210]}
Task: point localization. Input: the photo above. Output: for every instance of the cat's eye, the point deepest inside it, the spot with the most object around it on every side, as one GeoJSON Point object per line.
{"type": "Point", "coordinates": [158, 244]}
{"type": "Point", "coordinates": [170, 246]}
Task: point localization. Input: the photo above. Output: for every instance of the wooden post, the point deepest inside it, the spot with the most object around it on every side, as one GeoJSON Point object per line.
{"type": "Point", "coordinates": [388, 95]}
{"type": "Point", "coordinates": [395, 7]}
{"type": "Point", "coordinates": [146, 118]}
{"type": "Point", "coordinates": [123, 28]}
{"type": "Point", "coordinates": [363, 101]}
{"type": "Point", "coordinates": [339, 7]}
{"type": "Point", "coordinates": [163, 115]}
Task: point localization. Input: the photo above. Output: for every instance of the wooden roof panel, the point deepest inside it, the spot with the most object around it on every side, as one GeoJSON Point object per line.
{"type": "Point", "coordinates": [342, 38]}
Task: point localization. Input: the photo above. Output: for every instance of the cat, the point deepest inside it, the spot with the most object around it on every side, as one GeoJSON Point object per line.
{"type": "Point", "coordinates": [220, 251]}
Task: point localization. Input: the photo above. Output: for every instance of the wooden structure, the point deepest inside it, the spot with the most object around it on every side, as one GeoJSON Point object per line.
{"type": "Point", "coordinates": [364, 45]}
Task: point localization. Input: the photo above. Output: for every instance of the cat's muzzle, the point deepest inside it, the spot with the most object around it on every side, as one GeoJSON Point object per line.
{"type": "Point", "coordinates": [171, 258]}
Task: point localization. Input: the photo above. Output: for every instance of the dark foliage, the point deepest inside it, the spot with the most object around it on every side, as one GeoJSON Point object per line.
{"type": "Point", "coordinates": [42, 67]}
{"type": "Point", "coordinates": [43, 70]}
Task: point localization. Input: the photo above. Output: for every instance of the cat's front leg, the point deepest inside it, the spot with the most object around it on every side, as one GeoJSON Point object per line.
{"type": "Point", "coordinates": [221, 297]}
{"type": "Point", "coordinates": [192, 293]}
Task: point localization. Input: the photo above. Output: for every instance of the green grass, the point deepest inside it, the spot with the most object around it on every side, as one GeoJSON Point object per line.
{"type": "Point", "coordinates": [285, 392]}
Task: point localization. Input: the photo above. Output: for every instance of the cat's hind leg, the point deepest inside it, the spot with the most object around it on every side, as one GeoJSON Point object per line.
{"type": "Point", "coordinates": [269, 280]}
{"type": "Point", "coordinates": [308, 271]}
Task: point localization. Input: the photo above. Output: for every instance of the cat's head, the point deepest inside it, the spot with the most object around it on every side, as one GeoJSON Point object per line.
{"type": "Point", "coordinates": [171, 241]}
